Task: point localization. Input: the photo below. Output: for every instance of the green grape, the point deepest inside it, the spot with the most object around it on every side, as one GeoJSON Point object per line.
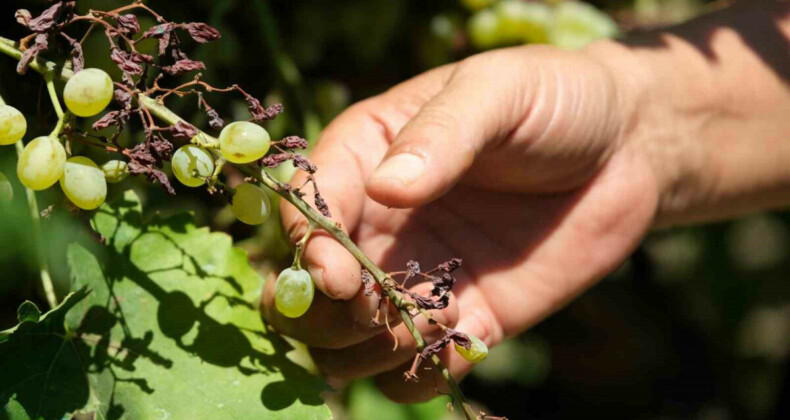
{"type": "Point", "coordinates": [250, 204]}
{"type": "Point", "coordinates": [293, 292]}
{"type": "Point", "coordinates": [88, 92]}
{"type": "Point", "coordinates": [115, 171]}
{"type": "Point", "coordinates": [477, 4]}
{"type": "Point", "coordinates": [41, 163]}
{"type": "Point", "coordinates": [192, 165]}
{"type": "Point", "coordinates": [12, 125]}
{"type": "Point", "coordinates": [483, 29]}
{"type": "Point", "coordinates": [577, 24]}
{"type": "Point", "coordinates": [83, 183]}
{"type": "Point", "coordinates": [6, 190]}
{"type": "Point", "coordinates": [521, 21]}
{"type": "Point", "coordinates": [476, 353]}
{"type": "Point", "coordinates": [243, 142]}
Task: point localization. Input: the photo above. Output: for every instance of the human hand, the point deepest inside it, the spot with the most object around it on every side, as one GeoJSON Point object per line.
{"type": "Point", "coordinates": [516, 161]}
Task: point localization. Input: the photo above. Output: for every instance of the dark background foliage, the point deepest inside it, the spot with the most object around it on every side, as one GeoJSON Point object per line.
{"type": "Point", "coordinates": [695, 325]}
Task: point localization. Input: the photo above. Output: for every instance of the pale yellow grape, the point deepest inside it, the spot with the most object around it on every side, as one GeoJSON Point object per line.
{"type": "Point", "coordinates": [115, 171]}
{"type": "Point", "coordinates": [251, 204]}
{"type": "Point", "coordinates": [83, 183]}
{"type": "Point", "coordinates": [192, 165]}
{"type": "Point", "coordinates": [41, 163]}
{"type": "Point", "coordinates": [6, 191]}
{"type": "Point", "coordinates": [12, 125]}
{"type": "Point", "coordinates": [243, 142]}
{"type": "Point", "coordinates": [293, 292]}
{"type": "Point", "coordinates": [88, 92]}
{"type": "Point", "coordinates": [476, 353]}
{"type": "Point", "coordinates": [483, 29]}
{"type": "Point", "coordinates": [521, 21]}
{"type": "Point", "coordinates": [577, 24]}
{"type": "Point", "coordinates": [477, 4]}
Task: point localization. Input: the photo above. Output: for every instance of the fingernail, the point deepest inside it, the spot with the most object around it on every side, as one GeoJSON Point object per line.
{"type": "Point", "coordinates": [405, 167]}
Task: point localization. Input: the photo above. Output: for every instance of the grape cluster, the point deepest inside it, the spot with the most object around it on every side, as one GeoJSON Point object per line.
{"type": "Point", "coordinates": [568, 24]}
{"type": "Point", "coordinates": [44, 161]}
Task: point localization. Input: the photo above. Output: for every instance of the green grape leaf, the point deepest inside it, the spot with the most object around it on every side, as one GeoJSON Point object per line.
{"type": "Point", "coordinates": [170, 329]}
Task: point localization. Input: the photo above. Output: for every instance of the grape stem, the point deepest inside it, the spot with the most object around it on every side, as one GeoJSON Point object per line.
{"type": "Point", "coordinates": [297, 265]}
{"type": "Point", "coordinates": [43, 266]}
{"type": "Point", "coordinates": [314, 218]}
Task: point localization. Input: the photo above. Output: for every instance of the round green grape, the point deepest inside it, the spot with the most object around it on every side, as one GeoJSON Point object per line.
{"type": "Point", "coordinates": [476, 353]}
{"type": "Point", "coordinates": [483, 29]}
{"type": "Point", "coordinates": [83, 183]}
{"type": "Point", "coordinates": [250, 204]}
{"type": "Point", "coordinates": [115, 171]}
{"type": "Point", "coordinates": [243, 142]}
{"type": "Point", "coordinates": [477, 4]}
{"type": "Point", "coordinates": [88, 92]}
{"type": "Point", "coordinates": [577, 24]}
{"type": "Point", "coordinates": [192, 165]}
{"type": "Point", "coordinates": [41, 163]}
{"type": "Point", "coordinates": [13, 125]}
{"type": "Point", "coordinates": [6, 190]}
{"type": "Point", "coordinates": [521, 21]}
{"type": "Point", "coordinates": [293, 292]}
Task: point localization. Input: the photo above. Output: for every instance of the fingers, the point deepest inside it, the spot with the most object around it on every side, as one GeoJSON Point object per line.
{"type": "Point", "coordinates": [380, 352]}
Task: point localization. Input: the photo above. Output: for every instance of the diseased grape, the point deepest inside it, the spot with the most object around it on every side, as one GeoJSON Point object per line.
{"type": "Point", "coordinates": [476, 353]}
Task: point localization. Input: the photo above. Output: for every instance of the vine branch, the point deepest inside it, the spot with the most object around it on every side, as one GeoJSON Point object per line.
{"type": "Point", "coordinates": [386, 282]}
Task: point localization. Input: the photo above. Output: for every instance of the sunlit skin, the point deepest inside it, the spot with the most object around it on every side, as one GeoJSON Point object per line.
{"type": "Point", "coordinates": [543, 170]}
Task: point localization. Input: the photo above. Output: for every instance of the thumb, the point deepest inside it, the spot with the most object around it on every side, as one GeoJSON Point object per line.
{"type": "Point", "coordinates": [438, 145]}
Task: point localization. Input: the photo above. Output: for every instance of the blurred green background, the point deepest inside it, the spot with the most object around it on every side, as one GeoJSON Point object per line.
{"type": "Point", "coordinates": [696, 325]}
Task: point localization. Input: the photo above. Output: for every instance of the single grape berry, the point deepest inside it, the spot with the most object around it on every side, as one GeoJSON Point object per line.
{"type": "Point", "coordinates": [192, 165]}
{"type": "Point", "coordinates": [293, 292]}
{"type": "Point", "coordinates": [477, 4]}
{"type": "Point", "coordinates": [83, 183]}
{"type": "Point", "coordinates": [251, 204]}
{"type": "Point", "coordinates": [12, 125]}
{"type": "Point", "coordinates": [115, 171]}
{"type": "Point", "coordinates": [576, 24]}
{"type": "Point", "coordinates": [476, 353]}
{"type": "Point", "coordinates": [41, 163]}
{"type": "Point", "coordinates": [243, 142]}
{"type": "Point", "coordinates": [6, 191]}
{"type": "Point", "coordinates": [521, 21]}
{"type": "Point", "coordinates": [88, 92]}
{"type": "Point", "coordinates": [483, 29]}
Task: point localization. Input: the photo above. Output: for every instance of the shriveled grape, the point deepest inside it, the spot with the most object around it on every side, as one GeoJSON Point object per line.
{"type": "Point", "coordinates": [41, 163]}
{"type": "Point", "coordinates": [251, 205]}
{"type": "Point", "coordinates": [293, 292]}
{"type": "Point", "coordinates": [476, 353]}
{"type": "Point", "coordinates": [88, 92]}
{"type": "Point", "coordinates": [83, 183]}
{"type": "Point", "coordinates": [243, 142]}
{"type": "Point", "coordinates": [12, 125]}
{"type": "Point", "coordinates": [192, 165]}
